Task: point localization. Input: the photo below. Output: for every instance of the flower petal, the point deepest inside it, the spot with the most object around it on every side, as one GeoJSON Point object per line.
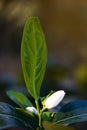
{"type": "Point", "coordinates": [32, 110]}
{"type": "Point", "coordinates": [53, 100]}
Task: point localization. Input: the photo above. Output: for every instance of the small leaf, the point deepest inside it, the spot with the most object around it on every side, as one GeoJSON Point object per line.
{"type": "Point", "coordinates": [72, 112]}
{"type": "Point", "coordinates": [48, 116]}
{"type": "Point", "coordinates": [33, 56]}
{"type": "Point", "coordinates": [19, 98]}
{"type": "Point", "coordinates": [11, 117]}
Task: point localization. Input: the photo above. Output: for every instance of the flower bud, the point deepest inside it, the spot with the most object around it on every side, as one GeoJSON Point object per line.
{"type": "Point", "coordinates": [32, 110]}
{"type": "Point", "coordinates": [53, 100]}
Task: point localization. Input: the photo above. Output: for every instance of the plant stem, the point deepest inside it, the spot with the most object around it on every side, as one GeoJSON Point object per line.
{"type": "Point", "coordinates": [40, 118]}
{"type": "Point", "coordinates": [37, 105]}
{"type": "Point", "coordinates": [39, 114]}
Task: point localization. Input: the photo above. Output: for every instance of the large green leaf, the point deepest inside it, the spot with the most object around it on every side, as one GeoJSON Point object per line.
{"type": "Point", "coordinates": [7, 121]}
{"type": "Point", "coordinates": [50, 126]}
{"type": "Point", "coordinates": [33, 55]}
{"type": "Point", "coordinates": [11, 117]}
{"type": "Point", "coordinates": [72, 112]}
{"type": "Point", "coordinates": [19, 98]}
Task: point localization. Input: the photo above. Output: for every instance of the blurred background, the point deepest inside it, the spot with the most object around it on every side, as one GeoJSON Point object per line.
{"type": "Point", "coordinates": [65, 27]}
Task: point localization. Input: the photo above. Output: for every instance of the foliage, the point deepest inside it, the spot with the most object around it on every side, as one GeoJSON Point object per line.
{"type": "Point", "coordinates": [38, 117]}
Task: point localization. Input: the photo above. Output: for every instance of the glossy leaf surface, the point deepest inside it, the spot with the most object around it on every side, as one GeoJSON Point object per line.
{"type": "Point", "coordinates": [19, 98]}
{"type": "Point", "coordinates": [33, 55]}
{"type": "Point", "coordinates": [72, 112]}
{"type": "Point", "coordinates": [11, 117]}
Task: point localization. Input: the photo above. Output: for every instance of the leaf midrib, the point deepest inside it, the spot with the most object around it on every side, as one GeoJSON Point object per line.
{"type": "Point", "coordinates": [35, 70]}
{"type": "Point", "coordinates": [66, 119]}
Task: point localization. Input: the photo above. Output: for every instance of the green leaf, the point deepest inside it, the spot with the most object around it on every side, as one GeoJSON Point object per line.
{"type": "Point", "coordinates": [72, 112]}
{"type": "Point", "coordinates": [11, 117]}
{"type": "Point", "coordinates": [50, 126]}
{"type": "Point", "coordinates": [33, 56]}
{"type": "Point", "coordinates": [7, 121]}
{"type": "Point", "coordinates": [30, 119]}
{"type": "Point", "coordinates": [19, 98]}
{"type": "Point", "coordinates": [48, 116]}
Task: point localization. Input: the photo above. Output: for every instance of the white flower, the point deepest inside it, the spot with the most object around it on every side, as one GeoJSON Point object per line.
{"type": "Point", "coordinates": [32, 110]}
{"type": "Point", "coordinates": [53, 100]}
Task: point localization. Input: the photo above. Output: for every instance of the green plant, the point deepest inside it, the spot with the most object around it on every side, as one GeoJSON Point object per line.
{"type": "Point", "coordinates": [42, 115]}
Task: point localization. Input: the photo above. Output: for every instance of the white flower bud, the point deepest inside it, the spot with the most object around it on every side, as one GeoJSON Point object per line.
{"type": "Point", "coordinates": [32, 110]}
{"type": "Point", "coordinates": [53, 100]}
